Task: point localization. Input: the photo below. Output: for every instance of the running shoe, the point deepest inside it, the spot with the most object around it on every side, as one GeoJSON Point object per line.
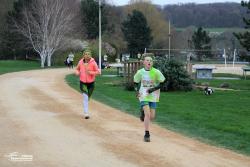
{"type": "Point", "coordinates": [86, 116]}
{"type": "Point", "coordinates": [147, 138]}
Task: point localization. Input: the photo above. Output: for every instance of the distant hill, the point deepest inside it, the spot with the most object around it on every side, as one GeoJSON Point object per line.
{"type": "Point", "coordinates": [205, 15]}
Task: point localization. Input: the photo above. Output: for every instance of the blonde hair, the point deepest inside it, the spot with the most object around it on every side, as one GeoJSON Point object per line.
{"type": "Point", "coordinates": [87, 51]}
{"type": "Point", "coordinates": [144, 55]}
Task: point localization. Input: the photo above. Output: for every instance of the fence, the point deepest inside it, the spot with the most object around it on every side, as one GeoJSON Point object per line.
{"type": "Point", "coordinates": [130, 68]}
{"type": "Point", "coordinates": [218, 56]}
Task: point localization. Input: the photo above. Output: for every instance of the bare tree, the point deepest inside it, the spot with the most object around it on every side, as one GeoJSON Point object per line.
{"type": "Point", "coordinates": [46, 24]}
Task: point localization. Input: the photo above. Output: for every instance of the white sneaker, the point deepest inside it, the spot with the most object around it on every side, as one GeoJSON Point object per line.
{"type": "Point", "coordinates": [86, 116]}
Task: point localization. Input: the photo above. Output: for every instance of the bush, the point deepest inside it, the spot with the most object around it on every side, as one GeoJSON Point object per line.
{"type": "Point", "coordinates": [60, 57]}
{"type": "Point", "coordinates": [129, 86]}
{"type": "Point", "coordinates": [176, 76]}
{"type": "Point", "coordinates": [224, 85]}
{"type": "Point", "coordinates": [205, 84]}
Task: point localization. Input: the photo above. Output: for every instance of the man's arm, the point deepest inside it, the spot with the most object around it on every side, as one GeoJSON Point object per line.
{"type": "Point", "coordinates": [137, 83]}
{"type": "Point", "coordinates": [155, 88]}
{"type": "Point", "coordinates": [136, 88]}
{"type": "Point", "coordinates": [160, 78]}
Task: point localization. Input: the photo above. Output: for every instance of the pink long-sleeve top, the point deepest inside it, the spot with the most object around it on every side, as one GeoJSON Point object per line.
{"type": "Point", "coordinates": [88, 71]}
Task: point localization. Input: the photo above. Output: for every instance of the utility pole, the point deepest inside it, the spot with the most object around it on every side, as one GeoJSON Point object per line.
{"type": "Point", "coordinates": [234, 56]}
{"type": "Point", "coordinates": [100, 37]}
{"type": "Point", "coordinates": [225, 57]}
{"type": "Point", "coordinates": [169, 40]}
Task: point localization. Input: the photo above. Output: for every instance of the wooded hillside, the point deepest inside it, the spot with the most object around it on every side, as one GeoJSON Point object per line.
{"type": "Point", "coordinates": [206, 15]}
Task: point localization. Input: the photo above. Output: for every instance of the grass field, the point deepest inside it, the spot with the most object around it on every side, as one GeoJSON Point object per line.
{"type": "Point", "coordinates": [236, 84]}
{"type": "Point", "coordinates": [13, 66]}
{"type": "Point", "coordinates": [222, 119]}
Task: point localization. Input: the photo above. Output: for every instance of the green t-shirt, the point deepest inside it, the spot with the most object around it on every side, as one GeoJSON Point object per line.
{"type": "Point", "coordinates": [149, 79]}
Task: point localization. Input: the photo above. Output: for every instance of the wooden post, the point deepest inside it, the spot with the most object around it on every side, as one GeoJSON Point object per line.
{"type": "Point", "coordinates": [130, 68]}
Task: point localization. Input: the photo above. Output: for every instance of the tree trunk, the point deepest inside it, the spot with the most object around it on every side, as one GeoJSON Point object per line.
{"type": "Point", "coordinates": [43, 58]}
{"type": "Point", "coordinates": [49, 60]}
{"type": "Point", "coordinates": [49, 55]}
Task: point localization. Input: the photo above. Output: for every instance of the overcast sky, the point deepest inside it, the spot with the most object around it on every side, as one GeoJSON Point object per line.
{"type": "Point", "coordinates": [165, 2]}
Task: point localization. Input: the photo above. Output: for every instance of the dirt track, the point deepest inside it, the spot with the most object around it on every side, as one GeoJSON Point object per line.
{"type": "Point", "coordinates": [41, 116]}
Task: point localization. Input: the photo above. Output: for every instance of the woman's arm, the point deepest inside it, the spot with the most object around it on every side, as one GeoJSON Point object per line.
{"type": "Point", "coordinates": [77, 71]}
{"type": "Point", "coordinates": [95, 70]}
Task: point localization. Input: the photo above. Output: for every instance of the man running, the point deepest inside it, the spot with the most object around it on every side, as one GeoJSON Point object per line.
{"type": "Point", "coordinates": [147, 82]}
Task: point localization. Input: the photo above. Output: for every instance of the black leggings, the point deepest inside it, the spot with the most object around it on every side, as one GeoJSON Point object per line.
{"type": "Point", "coordinates": [87, 88]}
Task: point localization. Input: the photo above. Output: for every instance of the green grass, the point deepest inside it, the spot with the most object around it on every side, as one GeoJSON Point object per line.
{"type": "Point", "coordinates": [17, 65]}
{"type": "Point", "coordinates": [222, 119]}
{"type": "Point", "coordinates": [224, 29]}
{"type": "Point", "coordinates": [240, 84]}
{"type": "Point", "coordinates": [233, 84]}
{"type": "Point", "coordinates": [7, 66]}
{"type": "Point", "coordinates": [109, 71]}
